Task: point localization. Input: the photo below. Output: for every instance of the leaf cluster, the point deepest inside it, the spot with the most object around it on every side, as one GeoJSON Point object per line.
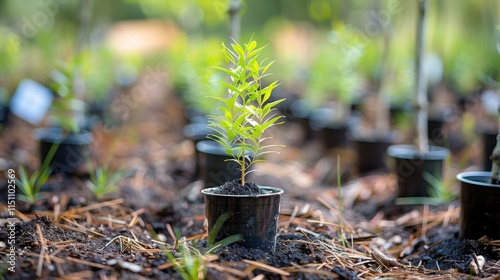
{"type": "Point", "coordinates": [30, 185]}
{"type": "Point", "coordinates": [103, 181]}
{"type": "Point", "coordinates": [333, 70]}
{"type": "Point", "coordinates": [194, 77]}
{"type": "Point", "coordinates": [66, 104]}
{"type": "Point", "coordinates": [98, 72]}
{"type": "Point", "coordinates": [192, 262]}
{"type": "Point", "coordinates": [246, 112]}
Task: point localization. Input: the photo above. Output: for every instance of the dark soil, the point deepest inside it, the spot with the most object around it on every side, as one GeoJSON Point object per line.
{"type": "Point", "coordinates": [235, 188]}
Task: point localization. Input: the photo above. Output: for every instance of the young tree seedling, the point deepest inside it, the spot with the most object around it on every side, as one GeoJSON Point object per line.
{"type": "Point", "coordinates": [246, 112]}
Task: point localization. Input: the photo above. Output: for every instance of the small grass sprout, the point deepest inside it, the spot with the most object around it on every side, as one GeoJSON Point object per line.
{"type": "Point", "coordinates": [246, 113]}
{"type": "Point", "coordinates": [103, 181]}
{"type": "Point", "coordinates": [30, 185]}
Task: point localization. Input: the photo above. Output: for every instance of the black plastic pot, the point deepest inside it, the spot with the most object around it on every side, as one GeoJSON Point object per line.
{"type": "Point", "coordinates": [435, 132]}
{"type": "Point", "coordinates": [411, 166]}
{"type": "Point", "coordinates": [216, 166]}
{"type": "Point", "coordinates": [4, 115]}
{"type": "Point", "coordinates": [333, 135]}
{"type": "Point", "coordinates": [72, 150]}
{"type": "Point", "coordinates": [371, 152]}
{"type": "Point", "coordinates": [301, 114]}
{"type": "Point", "coordinates": [197, 132]}
{"type": "Point", "coordinates": [254, 217]}
{"type": "Point", "coordinates": [479, 206]}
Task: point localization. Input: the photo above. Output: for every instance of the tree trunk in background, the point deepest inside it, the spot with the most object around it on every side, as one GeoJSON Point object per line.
{"type": "Point", "coordinates": [421, 79]}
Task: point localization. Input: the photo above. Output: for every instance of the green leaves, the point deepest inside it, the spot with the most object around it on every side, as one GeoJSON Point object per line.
{"type": "Point", "coordinates": [66, 105]}
{"type": "Point", "coordinates": [246, 113]}
{"type": "Point", "coordinates": [103, 181]}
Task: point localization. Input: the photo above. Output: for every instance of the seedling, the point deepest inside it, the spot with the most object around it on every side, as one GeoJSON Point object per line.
{"type": "Point", "coordinates": [246, 112]}
{"type": "Point", "coordinates": [192, 262]}
{"type": "Point", "coordinates": [30, 185]}
{"type": "Point", "coordinates": [103, 181]}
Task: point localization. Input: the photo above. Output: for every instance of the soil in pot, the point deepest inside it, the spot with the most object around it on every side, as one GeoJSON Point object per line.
{"type": "Point", "coordinates": [72, 150]}
{"type": "Point", "coordinates": [479, 206]}
{"type": "Point", "coordinates": [254, 216]}
{"type": "Point", "coordinates": [414, 170]}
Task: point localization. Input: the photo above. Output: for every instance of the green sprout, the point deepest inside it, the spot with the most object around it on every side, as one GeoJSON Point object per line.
{"type": "Point", "coordinates": [246, 112]}
{"type": "Point", "coordinates": [103, 181]}
{"type": "Point", "coordinates": [30, 185]}
{"type": "Point", "coordinates": [192, 261]}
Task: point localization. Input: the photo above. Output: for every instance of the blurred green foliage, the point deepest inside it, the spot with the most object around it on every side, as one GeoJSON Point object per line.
{"type": "Point", "coordinates": [462, 33]}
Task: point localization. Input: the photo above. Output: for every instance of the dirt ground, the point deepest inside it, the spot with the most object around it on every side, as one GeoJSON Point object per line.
{"type": "Point", "coordinates": [323, 234]}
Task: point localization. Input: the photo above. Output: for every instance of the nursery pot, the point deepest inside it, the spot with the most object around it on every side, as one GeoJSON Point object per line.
{"type": "Point", "coordinates": [197, 132]}
{"type": "Point", "coordinates": [413, 168]}
{"type": "Point", "coordinates": [301, 114]}
{"type": "Point", "coordinates": [71, 153]}
{"type": "Point", "coordinates": [371, 152]}
{"type": "Point", "coordinates": [254, 217]}
{"type": "Point", "coordinates": [4, 115]}
{"type": "Point", "coordinates": [333, 135]}
{"type": "Point", "coordinates": [216, 166]}
{"type": "Point", "coordinates": [479, 206]}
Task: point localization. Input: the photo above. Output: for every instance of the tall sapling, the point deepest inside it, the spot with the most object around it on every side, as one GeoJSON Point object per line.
{"type": "Point", "coordinates": [246, 112]}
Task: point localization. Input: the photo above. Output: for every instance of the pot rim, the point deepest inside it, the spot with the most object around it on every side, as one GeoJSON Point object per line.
{"type": "Point", "coordinates": [411, 152]}
{"type": "Point", "coordinates": [466, 178]}
{"type": "Point", "coordinates": [275, 191]}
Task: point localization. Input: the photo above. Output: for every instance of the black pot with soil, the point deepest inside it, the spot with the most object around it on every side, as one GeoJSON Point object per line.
{"type": "Point", "coordinates": [253, 216]}
{"type": "Point", "coordinates": [413, 168]}
{"type": "Point", "coordinates": [479, 206]}
{"type": "Point", "coordinates": [71, 152]}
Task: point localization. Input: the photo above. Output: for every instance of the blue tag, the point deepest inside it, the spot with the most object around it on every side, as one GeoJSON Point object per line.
{"type": "Point", "coordinates": [31, 101]}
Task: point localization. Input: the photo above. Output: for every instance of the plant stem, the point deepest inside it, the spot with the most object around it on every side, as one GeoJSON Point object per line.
{"type": "Point", "coordinates": [495, 159]}
{"type": "Point", "coordinates": [421, 79]}
{"type": "Point", "coordinates": [243, 172]}
{"type": "Point", "coordinates": [82, 40]}
{"type": "Point", "coordinates": [235, 25]}
{"type": "Point", "coordinates": [382, 121]}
